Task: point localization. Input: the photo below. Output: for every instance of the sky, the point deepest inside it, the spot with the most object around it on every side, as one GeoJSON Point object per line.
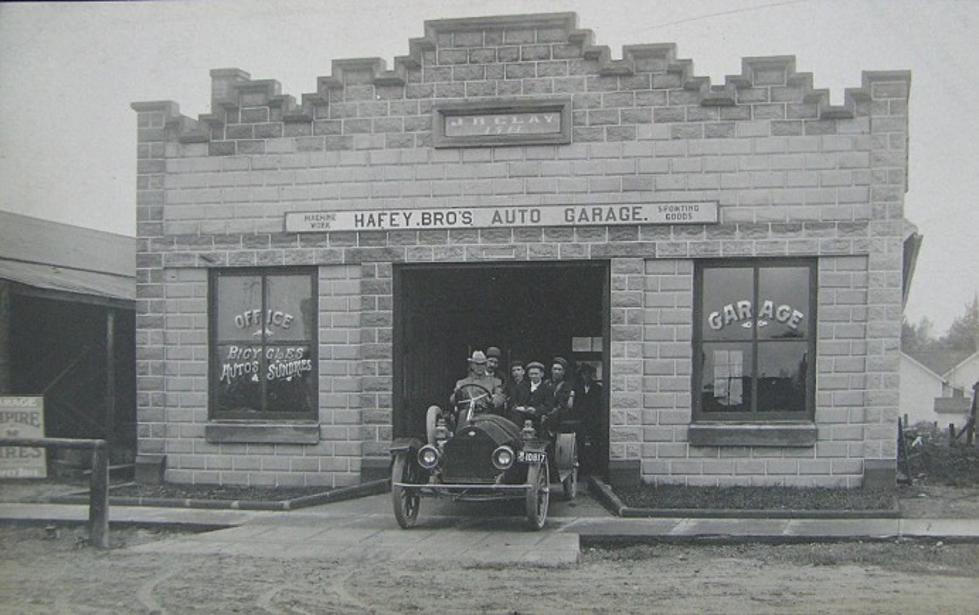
{"type": "Point", "coordinates": [70, 70]}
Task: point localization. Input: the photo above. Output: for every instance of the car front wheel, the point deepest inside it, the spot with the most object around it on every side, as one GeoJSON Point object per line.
{"type": "Point", "coordinates": [538, 495]}
{"type": "Point", "coordinates": [406, 501]}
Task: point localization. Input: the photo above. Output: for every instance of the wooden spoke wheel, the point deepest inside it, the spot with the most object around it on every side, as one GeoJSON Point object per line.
{"type": "Point", "coordinates": [405, 501]}
{"type": "Point", "coordinates": [538, 496]}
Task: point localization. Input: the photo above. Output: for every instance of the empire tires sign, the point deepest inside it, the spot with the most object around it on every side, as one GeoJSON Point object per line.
{"type": "Point", "coordinates": [22, 417]}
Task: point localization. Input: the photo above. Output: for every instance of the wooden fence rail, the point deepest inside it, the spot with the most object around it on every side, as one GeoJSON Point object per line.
{"type": "Point", "coordinates": [98, 498]}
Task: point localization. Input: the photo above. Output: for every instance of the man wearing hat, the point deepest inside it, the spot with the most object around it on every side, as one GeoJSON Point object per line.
{"type": "Point", "coordinates": [478, 376]}
{"type": "Point", "coordinates": [493, 356]}
{"type": "Point", "coordinates": [588, 410]}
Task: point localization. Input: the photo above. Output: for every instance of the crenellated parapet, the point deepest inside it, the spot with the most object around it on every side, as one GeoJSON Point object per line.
{"type": "Point", "coordinates": [364, 104]}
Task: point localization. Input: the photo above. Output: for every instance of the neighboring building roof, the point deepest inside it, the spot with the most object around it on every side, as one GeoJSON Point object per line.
{"type": "Point", "coordinates": [942, 361]}
{"type": "Point", "coordinates": [61, 258]}
{"type": "Point", "coordinates": [912, 361]}
{"type": "Point", "coordinates": [972, 357]}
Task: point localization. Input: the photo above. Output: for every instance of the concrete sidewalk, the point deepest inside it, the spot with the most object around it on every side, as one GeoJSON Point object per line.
{"type": "Point", "coordinates": [468, 534]}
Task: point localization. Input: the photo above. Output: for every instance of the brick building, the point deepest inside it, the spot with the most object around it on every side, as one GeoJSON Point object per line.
{"type": "Point", "coordinates": [312, 273]}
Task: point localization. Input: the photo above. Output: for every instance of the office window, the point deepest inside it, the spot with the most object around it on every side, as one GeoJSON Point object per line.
{"type": "Point", "coordinates": [263, 344]}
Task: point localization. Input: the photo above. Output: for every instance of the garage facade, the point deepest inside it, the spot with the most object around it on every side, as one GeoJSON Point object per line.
{"type": "Point", "coordinates": [312, 271]}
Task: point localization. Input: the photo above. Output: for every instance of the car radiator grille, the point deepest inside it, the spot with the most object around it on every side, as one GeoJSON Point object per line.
{"type": "Point", "coordinates": [468, 459]}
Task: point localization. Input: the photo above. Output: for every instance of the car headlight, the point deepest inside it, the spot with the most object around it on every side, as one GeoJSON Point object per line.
{"type": "Point", "coordinates": [428, 457]}
{"type": "Point", "coordinates": [503, 458]}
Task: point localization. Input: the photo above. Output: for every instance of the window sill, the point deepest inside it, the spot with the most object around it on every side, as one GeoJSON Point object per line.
{"type": "Point", "coordinates": [752, 434]}
{"type": "Point", "coordinates": [262, 433]}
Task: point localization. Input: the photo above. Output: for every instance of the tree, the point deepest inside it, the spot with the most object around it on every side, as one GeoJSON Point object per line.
{"type": "Point", "coordinates": [963, 334]}
{"type": "Point", "coordinates": [918, 338]}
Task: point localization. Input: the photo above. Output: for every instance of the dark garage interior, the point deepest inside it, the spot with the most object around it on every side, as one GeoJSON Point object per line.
{"type": "Point", "coordinates": [530, 311]}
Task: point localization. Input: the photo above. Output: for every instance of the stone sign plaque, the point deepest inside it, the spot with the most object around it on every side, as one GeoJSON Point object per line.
{"type": "Point", "coordinates": [502, 122]}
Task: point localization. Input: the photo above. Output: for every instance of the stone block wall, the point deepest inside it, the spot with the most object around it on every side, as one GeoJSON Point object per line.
{"type": "Point", "coordinates": [793, 176]}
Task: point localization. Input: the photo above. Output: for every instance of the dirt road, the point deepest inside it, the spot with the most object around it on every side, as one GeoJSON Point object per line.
{"type": "Point", "coordinates": [60, 575]}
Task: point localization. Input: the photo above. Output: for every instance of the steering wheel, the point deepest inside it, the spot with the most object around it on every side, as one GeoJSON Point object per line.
{"type": "Point", "coordinates": [481, 394]}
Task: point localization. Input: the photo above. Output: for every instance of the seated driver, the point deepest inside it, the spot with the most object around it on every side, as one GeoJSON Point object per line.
{"type": "Point", "coordinates": [478, 376]}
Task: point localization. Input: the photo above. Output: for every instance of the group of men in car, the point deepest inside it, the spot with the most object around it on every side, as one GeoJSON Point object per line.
{"type": "Point", "coordinates": [553, 400]}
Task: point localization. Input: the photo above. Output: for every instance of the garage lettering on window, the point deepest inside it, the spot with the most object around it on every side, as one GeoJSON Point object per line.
{"type": "Point", "coordinates": [754, 343]}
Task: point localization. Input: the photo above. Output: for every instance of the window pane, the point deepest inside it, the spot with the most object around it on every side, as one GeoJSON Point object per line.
{"type": "Point", "coordinates": [726, 304]}
{"type": "Point", "coordinates": [239, 308]}
{"type": "Point", "coordinates": [291, 381]}
{"type": "Point", "coordinates": [290, 308]}
{"type": "Point", "coordinates": [782, 371]}
{"type": "Point", "coordinates": [725, 378]}
{"type": "Point", "coordinates": [783, 295]}
{"type": "Point", "coordinates": [238, 370]}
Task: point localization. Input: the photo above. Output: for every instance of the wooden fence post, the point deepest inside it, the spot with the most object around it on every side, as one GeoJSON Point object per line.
{"type": "Point", "coordinates": [98, 510]}
{"type": "Point", "coordinates": [98, 496]}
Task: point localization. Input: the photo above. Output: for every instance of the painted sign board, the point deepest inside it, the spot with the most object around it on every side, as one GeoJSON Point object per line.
{"type": "Point", "coordinates": [22, 417]}
{"type": "Point", "coordinates": [704, 212]}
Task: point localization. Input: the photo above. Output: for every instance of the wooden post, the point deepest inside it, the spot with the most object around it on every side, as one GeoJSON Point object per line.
{"type": "Point", "coordinates": [110, 377]}
{"type": "Point", "coordinates": [951, 434]}
{"type": "Point", "coordinates": [98, 509]}
{"type": "Point", "coordinates": [6, 316]}
{"type": "Point", "coordinates": [973, 412]}
{"type": "Point", "coordinates": [98, 497]}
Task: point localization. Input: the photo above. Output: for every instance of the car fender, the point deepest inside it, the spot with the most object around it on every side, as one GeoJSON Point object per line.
{"type": "Point", "coordinates": [405, 445]}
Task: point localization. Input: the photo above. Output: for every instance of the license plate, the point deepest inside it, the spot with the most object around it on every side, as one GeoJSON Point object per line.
{"type": "Point", "coordinates": [531, 457]}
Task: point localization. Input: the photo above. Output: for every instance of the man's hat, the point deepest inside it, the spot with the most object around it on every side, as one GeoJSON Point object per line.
{"type": "Point", "coordinates": [536, 364]}
{"type": "Point", "coordinates": [515, 363]}
{"type": "Point", "coordinates": [493, 351]}
{"type": "Point", "coordinates": [560, 361]}
{"type": "Point", "coordinates": [478, 357]}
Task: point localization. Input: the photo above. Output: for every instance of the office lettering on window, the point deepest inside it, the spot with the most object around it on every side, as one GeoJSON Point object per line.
{"type": "Point", "coordinates": [263, 346]}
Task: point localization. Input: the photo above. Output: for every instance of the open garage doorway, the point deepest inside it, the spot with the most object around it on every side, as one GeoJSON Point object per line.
{"type": "Point", "coordinates": [531, 311]}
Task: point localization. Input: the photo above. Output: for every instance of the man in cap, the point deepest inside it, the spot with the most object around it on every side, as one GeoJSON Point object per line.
{"type": "Point", "coordinates": [517, 389]}
{"type": "Point", "coordinates": [538, 393]}
{"type": "Point", "coordinates": [562, 394]}
{"type": "Point", "coordinates": [478, 376]}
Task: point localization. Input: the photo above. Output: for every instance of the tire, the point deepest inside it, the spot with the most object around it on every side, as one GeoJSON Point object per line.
{"type": "Point", "coordinates": [431, 419]}
{"type": "Point", "coordinates": [406, 502]}
{"type": "Point", "coordinates": [571, 484]}
{"type": "Point", "coordinates": [538, 496]}
{"type": "Point", "coordinates": [567, 463]}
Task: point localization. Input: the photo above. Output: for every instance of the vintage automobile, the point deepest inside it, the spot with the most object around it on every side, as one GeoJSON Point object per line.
{"type": "Point", "coordinates": [474, 455]}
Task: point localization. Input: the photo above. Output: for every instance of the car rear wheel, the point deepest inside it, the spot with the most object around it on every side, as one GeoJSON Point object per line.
{"type": "Point", "coordinates": [571, 484]}
{"type": "Point", "coordinates": [406, 501]}
{"type": "Point", "coordinates": [538, 496]}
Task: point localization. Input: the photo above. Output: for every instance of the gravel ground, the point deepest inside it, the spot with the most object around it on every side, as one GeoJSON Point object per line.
{"type": "Point", "coordinates": [62, 575]}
